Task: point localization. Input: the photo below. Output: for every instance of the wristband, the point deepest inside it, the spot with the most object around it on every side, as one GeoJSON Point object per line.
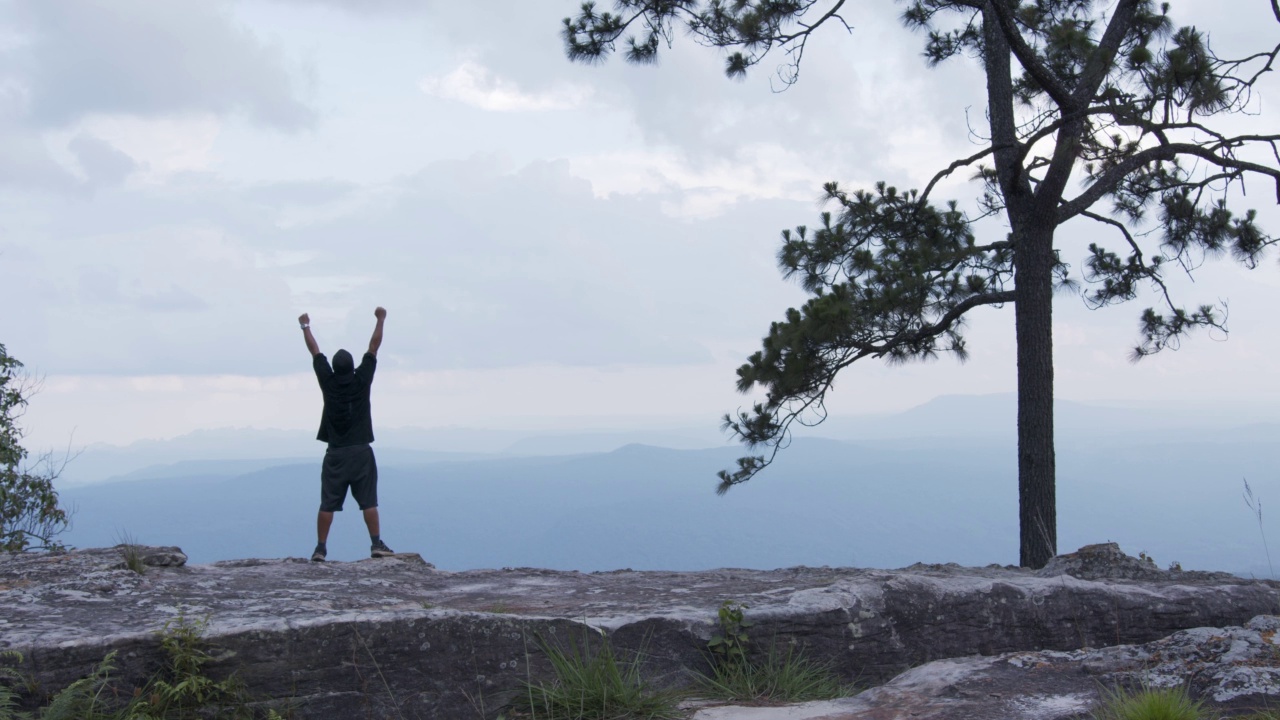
{"type": "Point", "coordinates": [304, 326]}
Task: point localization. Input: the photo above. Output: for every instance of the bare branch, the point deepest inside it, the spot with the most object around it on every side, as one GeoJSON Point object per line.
{"type": "Point", "coordinates": [924, 195]}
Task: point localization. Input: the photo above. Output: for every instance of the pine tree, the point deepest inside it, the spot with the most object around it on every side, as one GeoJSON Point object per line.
{"type": "Point", "coordinates": [1105, 112]}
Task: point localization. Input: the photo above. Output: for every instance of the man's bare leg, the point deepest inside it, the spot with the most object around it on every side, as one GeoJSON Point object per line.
{"type": "Point", "coordinates": [371, 520]}
{"type": "Point", "coordinates": [378, 548]}
{"type": "Point", "coordinates": [323, 521]}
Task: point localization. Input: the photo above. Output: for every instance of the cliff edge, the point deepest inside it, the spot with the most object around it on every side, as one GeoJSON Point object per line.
{"type": "Point", "coordinates": [395, 637]}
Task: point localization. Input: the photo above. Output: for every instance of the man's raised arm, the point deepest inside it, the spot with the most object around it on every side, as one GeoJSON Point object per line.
{"type": "Point", "coordinates": [375, 342]}
{"type": "Point", "coordinates": [312, 346]}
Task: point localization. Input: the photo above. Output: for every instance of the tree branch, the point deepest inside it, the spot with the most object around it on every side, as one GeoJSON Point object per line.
{"type": "Point", "coordinates": [1153, 276]}
{"type": "Point", "coordinates": [1108, 182]}
{"type": "Point", "coordinates": [834, 12]}
{"type": "Point", "coordinates": [1027, 55]}
{"type": "Point", "coordinates": [934, 329]}
{"type": "Point", "coordinates": [1100, 62]}
{"type": "Point", "coordinates": [1067, 148]}
{"type": "Point", "coordinates": [1011, 178]}
{"type": "Point", "coordinates": [924, 195]}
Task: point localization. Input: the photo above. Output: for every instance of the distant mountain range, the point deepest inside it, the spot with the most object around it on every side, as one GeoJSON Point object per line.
{"type": "Point", "coordinates": [934, 484]}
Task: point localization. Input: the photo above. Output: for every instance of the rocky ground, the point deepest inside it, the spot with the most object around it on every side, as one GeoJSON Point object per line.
{"type": "Point", "coordinates": [395, 637]}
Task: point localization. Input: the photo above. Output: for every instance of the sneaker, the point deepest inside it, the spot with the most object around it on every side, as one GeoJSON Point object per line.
{"type": "Point", "coordinates": [380, 549]}
{"type": "Point", "coordinates": [319, 554]}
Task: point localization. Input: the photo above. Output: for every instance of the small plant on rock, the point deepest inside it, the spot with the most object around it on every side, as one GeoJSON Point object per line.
{"type": "Point", "coordinates": [131, 553]}
{"type": "Point", "coordinates": [592, 683]}
{"type": "Point", "coordinates": [1254, 503]}
{"type": "Point", "coordinates": [10, 677]}
{"type": "Point", "coordinates": [179, 691]}
{"type": "Point", "coordinates": [1149, 703]}
{"type": "Point", "coordinates": [88, 698]}
{"type": "Point", "coordinates": [182, 691]}
{"type": "Point", "coordinates": [186, 688]}
{"type": "Point", "coordinates": [780, 677]}
{"type": "Point", "coordinates": [729, 646]}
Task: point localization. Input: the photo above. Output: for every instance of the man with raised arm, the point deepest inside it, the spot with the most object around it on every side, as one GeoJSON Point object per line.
{"type": "Point", "coordinates": [347, 426]}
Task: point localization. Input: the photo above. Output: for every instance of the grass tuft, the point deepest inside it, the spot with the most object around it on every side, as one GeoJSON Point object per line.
{"type": "Point", "coordinates": [594, 684]}
{"type": "Point", "coordinates": [131, 551]}
{"type": "Point", "coordinates": [1254, 504]}
{"type": "Point", "coordinates": [780, 678]}
{"type": "Point", "coordinates": [1149, 703]}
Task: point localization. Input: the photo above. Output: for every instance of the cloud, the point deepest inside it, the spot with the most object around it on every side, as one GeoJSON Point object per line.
{"type": "Point", "coordinates": [710, 188]}
{"type": "Point", "coordinates": [161, 146]}
{"type": "Point", "coordinates": [110, 290]}
{"type": "Point", "coordinates": [363, 6]}
{"type": "Point", "coordinates": [28, 165]}
{"type": "Point", "coordinates": [99, 287]}
{"type": "Point", "coordinates": [102, 151]}
{"type": "Point", "coordinates": [480, 267]}
{"type": "Point", "coordinates": [148, 57]}
{"type": "Point", "coordinates": [471, 83]}
{"type": "Point", "coordinates": [303, 192]}
{"type": "Point", "coordinates": [101, 161]}
{"type": "Point", "coordinates": [867, 106]}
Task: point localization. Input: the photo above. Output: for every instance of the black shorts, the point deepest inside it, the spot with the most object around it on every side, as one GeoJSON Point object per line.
{"type": "Point", "coordinates": [348, 467]}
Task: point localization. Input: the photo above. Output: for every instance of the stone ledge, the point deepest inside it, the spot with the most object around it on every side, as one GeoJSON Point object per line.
{"type": "Point", "coordinates": [1233, 670]}
{"type": "Point", "coordinates": [326, 635]}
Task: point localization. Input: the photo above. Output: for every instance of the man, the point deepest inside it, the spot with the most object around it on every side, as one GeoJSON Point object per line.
{"type": "Point", "coordinates": [347, 426]}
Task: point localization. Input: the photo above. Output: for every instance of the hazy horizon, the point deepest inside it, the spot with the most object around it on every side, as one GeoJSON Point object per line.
{"type": "Point", "coordinates": [989, 415]}
{"type": "Point", "coordinates": [892, 489]}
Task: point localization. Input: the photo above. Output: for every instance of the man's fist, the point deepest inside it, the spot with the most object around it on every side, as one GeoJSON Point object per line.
{"type": "Point", "coordinates": [380, 313]}
{"type": "Point", "coordinates": [304, 319]}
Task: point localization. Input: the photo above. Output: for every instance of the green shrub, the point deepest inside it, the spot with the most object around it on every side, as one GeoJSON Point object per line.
{"type": "Point", "coordinates": [729, 646]}
{"type": "Point", "coordinates": [8, 678]}
{"type": "Point", "coordinates": [180, 691]}
{"type": "Point", "coordinates": [183, 690]}
{"type": "Point", "coordinates": [87, 698]}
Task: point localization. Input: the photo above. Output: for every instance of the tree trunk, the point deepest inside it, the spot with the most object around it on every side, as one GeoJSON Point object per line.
{"type": "Point", "coordinates": [1033, 311]}
{"type": "Point", "coordinates": [1032, 222]}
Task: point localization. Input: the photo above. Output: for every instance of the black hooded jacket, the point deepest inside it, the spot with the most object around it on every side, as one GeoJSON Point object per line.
{"type": "Point", "coordinates": [346, 419]}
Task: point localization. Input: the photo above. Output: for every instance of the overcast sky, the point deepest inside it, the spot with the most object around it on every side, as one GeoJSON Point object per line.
{"type": "Point", "coordinates": [556, 244]}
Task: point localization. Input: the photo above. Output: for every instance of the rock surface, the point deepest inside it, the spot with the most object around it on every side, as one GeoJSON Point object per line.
{"type": "Point", "coordinates": [1232, 670]}
{"type": "Point", "coordinates": [395, 637]}
{"type": "Point", "coordinates": [1105, 561]}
